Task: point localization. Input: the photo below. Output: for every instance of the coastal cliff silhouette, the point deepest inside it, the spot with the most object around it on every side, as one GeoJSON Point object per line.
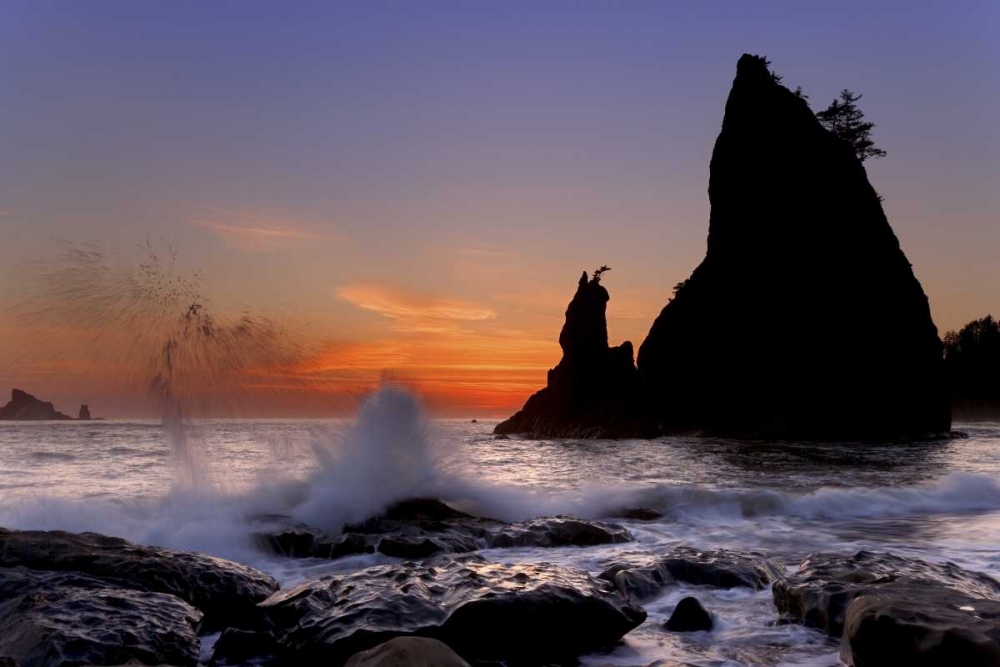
{"type": "Point", "coordinates": [805, 319]}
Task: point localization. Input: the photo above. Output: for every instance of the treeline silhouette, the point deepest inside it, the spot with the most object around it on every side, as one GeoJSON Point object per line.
{"type": "Point", "coordinates": [972, 361]}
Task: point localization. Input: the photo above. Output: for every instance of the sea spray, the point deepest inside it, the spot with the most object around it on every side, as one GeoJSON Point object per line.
{"type": "Point", "coordinates": [383, 457]}
{"type": "Point", "coordinates": [149, 319]}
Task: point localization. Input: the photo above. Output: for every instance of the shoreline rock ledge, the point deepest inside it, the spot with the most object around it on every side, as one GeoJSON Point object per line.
{"type": "Point", "coordinates": [804, 320]}
{"type": "Point", "coordinates": [593, 391]}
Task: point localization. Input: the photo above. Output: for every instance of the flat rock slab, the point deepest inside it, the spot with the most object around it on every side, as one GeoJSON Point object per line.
{"type": "Point", "coordinates": [64, 619]}
{"type": "Point", "coordinates": [226, 592]}
{"type": "Point", "coordinates": [482, 610]}
{"type": "Point", "coordinates": [645, 577]}
{"type": "Point", "coordinates": [894, 610]}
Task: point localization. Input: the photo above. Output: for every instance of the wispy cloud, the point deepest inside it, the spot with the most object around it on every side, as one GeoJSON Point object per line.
{"type": "Point", "coordinates": [485, 252]}
{"type": "Point", "coordinates": [412, 312]}
{"type": "Point", "coordinates": [255, 232]}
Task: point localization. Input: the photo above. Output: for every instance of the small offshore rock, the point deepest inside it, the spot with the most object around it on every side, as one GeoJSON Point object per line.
{"type": "Point", "coordinates": [689, 616]}
{"type": "Point", "coordinates": [408, 652]}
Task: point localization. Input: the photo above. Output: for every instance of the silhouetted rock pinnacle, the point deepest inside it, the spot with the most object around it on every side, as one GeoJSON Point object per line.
{"type": "Point", "coordinates": [805, 318]}
{"type": "Point", "coordinates": [594, 389]}
{"type": "Point", "coordinates": [25, 407]}
{"type": "Point", "coordinates": [84, 413]}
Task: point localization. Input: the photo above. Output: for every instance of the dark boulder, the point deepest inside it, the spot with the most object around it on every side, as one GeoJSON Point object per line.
{"type": "Point", "coordinates": [805, 319]}
{"type": "Point", "coordinates": [483, 610]}
{"type": "Point", "coordinates": [226, 592]}
{"type": "Point", "coordinates": [644, 577]}
{"type": "Point", "coordinates": [25, 407]}
{"type": "Point", "coordinates": [593, 391]}
{"type": "Point", "coordinates": [689, 616]}
{"type": "Point", "coordinates": [408, 652]}
{"type": "Point", "coordinates": [894, 610]}
{"type": "Point", "coordinates": [65, 619]}
{"type": "Point", "coordinates": [84, 413]}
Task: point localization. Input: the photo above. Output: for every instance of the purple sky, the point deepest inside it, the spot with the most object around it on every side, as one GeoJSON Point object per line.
{"type": "Point", "coordinates": [468, 153]}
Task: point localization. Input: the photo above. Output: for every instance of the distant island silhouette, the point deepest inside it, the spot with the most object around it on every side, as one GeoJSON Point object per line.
{"type": "Point", "coordinates": [805, 319]}
{"type": "Point", "coordinates": [25, 407]}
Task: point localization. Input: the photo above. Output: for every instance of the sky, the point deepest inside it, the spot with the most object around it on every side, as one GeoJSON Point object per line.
{"type": "Point", "coordinates": [413, 189]}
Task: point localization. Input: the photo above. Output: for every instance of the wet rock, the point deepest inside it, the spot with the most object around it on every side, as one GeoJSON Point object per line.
{"type": "Point", "coordinates": [408, 652]}
{"type": "Point", "coordinates": [302, 541]}
{"type": "Point", "coordinates": [239, 647]}
{"type": "Point", "coordinates": [593, 391]}
{"type": "Point", "coordinates": [298, 541]}
{"type": "Point", "coordinates": [226, 592]}
{"type": "Point", "coordinates": [25, 407]}
{"type": "Point", "coordinates": [64, 619]}
{"type": "Point", "coordinates": [422, 509]}
{"type": "Point", "coordinates": [415, 547]}
{"type": "Point", "coordinates": [638, 514]}
{"type": "Point", "coordinates": [426, 513]}
{"type": "Point", "coordinates": [817, 595]}
{"type": "Point", "coordinates": [916, 627]}
{"type": "Point", "coordinates": [483, 610]}
{"type": "Point", "coordinates": [644, 577]}
{"type": "Point", "coordinates": [559, 532]}
{"type": "Point", "coordinates": [424, 527]}
{"type": "Point", "coordinates": [894, 610]}
{"type": "Point", "coordinates": [800, 250]}
{"type": "Point", "coordinates": [689, 616]}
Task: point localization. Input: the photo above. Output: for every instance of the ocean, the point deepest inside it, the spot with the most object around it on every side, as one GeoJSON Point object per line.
{"type": "Point", "coordinates": [200, 486]}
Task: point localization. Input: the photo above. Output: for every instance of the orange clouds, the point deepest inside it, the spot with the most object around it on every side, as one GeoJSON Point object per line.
{"type": "Point", "coordinates": [488, 373]}
{"type": "Point", "coordinates": [414, 313]}
{"type": "Point", "coordinates": [400, 305]}
{"type": "Point", "coordinates": [453, 352]}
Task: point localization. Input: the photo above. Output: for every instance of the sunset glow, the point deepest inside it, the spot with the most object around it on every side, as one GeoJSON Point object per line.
{"type": "Point", "coordinates": [424, 211]}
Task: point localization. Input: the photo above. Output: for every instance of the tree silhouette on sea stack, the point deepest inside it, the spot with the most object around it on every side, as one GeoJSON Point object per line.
{"type": "Point", "coordinates": [846, 120]}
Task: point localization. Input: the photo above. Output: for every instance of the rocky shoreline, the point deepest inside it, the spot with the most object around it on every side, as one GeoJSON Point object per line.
{"type": "Point", "coordinates": [74, 599]}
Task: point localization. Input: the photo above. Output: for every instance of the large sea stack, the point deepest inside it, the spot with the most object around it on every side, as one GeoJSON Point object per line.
{"type": "Point", "coordinates": [593, 391]}
{"type": "Point", "coordinates": [805, 319]}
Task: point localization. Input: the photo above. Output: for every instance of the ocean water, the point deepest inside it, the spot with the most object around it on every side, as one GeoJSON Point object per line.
{"type": "Point", "coordinates": [199, 487]}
